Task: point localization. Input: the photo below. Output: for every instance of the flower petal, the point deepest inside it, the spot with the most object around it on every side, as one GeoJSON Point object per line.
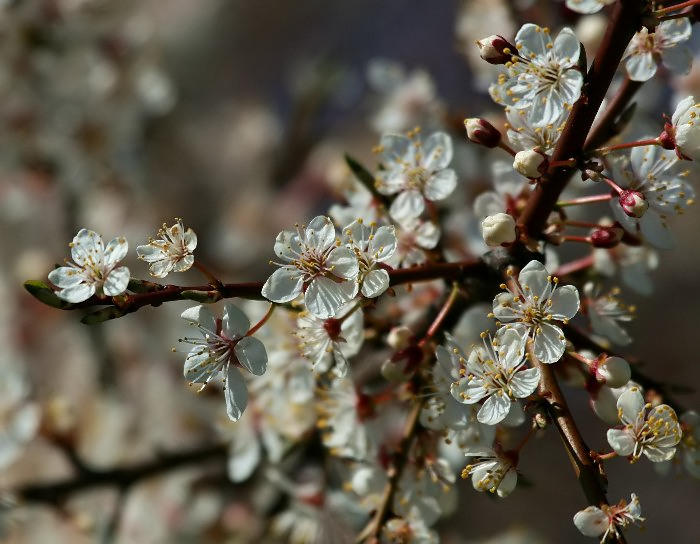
{"type": "Point", "coordinates": [200, 315]}
{"type": "Point", "coordinates": [284, 285]}
{"type": "Point", "coordinates": [525, 382]}
{"type": "Point", "coordinates": [235, 393]}
{"type": "Point", "coordinates": [565, 302]}
{"type": "Point", "coordinates": [375, 283]}
{"type": "Point", "coordinates": [234, 323]}
{"type": "Point", "coordinates": [549, 343]}
{"type": "Point", "coordinates": [251, 353]}
{"type": "Point", "coordinates": [324, 297]}
{"type": "Point", "coordinates": [343, 263]}
{"type": "Point", "coordinates": [440, 185]}
{"type": "Point", "coordinates": [116, 281]}
{"type": "Point", "coordinates": [622, 441]}
{"type": "Point", "coordinates": [495, 409]}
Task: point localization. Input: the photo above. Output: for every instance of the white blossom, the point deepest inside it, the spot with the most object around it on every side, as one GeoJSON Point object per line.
{"type": "Point", "coordinates": [530, 306]}
{"type": "Point", "coordinates": [372, 245]}
{"type": "Point", "coordinates": [654, 432]}
{"type": "Point", "coordinates": [605, 522]}
{"type": "Point", "coordinates": [606, 312]}
{"type": "Point", "coordinates": [93, 270]}
{"type": "Point", "coordinates": [662, 180]}
{"type": "Point", "coordinates": [587, 6]}
{"type": "Point", "coordinates": [413, 238]}
{"type": "Point", "coordinates": [491, 471]}
{"type": "Point", "coordinates": [415, 171]}
{"type": "Point", "coordinates": [685, 128]}
{"type": "Point", "coordinates": [498, 229]}
{"type": "Point", "coordinates": [646, 50]}
{"type": "Point", "coordinates": [495, 373]}
{"type": "Point", "coordinates": [318, 266]}
{"type": "Point", "coordinates": [224, 345]}
{"type": "Point", "coordinates": [524, 134]}
{"type": "Point", "coordinates": [543, 77]}
{"type": "Point", "coordinates": [171, 251]}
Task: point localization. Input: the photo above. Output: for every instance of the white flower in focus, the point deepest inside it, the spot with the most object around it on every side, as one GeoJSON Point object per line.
{"type": "Point", "coordinates": [328, 342]}
{"type": "Point", "coordinates": [646, 50]}
{"type": "Point", "coordinates": [318, 267]}
{"type": "Point", "coordinates": [662, 179]}
{"type": "Point", "coordinates": [606, 312]}
{"type": "Point", "coordinates": [93, 270]}
{"type": "Point", "coordinates": [223, 347]}
{"type": "Point", "coordinates": [523, 134]}
{"type": "Point", "coordinates": [415, 171]}
{"type": "Point", "coordinates": [371, 246]}
{"type": "Point", "coordinates": [605, 522]}
{"type": "Point", "coordinates": [685, 128]}
{"type": "Point", "coordinates": [587, 6]}
{"type": "Point", "coordinates": [543, 77]}
{"type": "Point", "coordinates": [495, 372]}
{"type": "Point", "coordinates": [530, 306]}
{"type": "Point", "coordinates": [171, 251]}
{"type": "Point", "coordinates": [492, 471]}
{"type": "Point", "coordinates": [654, 434]}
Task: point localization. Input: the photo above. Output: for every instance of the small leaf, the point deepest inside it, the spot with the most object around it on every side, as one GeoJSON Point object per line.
{"type": "Point", "coordinates": [205, 297]}
{"type": "Point", "coordinates": [104, 314]}
{"type": "Point", "coordinates": [44, 293]}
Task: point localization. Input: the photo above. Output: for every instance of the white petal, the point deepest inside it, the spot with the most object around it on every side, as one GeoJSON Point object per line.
{"type": "Point", "coordinates": [251, 353]}
{"type": "Point", "coordinates": [150, 253]}
{"type": "Point", "coordinates": [87, 247]}
{"type": "Point", "coordinates": [200, 315]}
{"type": "Point", "coordinates": [565, 302]}
{"type": "Point", "coordinates": [630, 404]}
{"type": "Point", "coordinates": [533, 40]}
{"type": "Point", "coordinates": [591, 521]}
{"type": "Point", "coordinates": [234, 323]}
{"type": "Point", "coordinates": [533, 279]}
{"type": "Point", "coordinates": [656, 231]}
{"type": "Point", "coordinates": [67, 276]}
{"type": "Point", "coordinates": [244, 457]}
{"type": "Point", "coordinates": [383, 244]}
{"type": "Point", "coordinates": [235, 393]}
{"type": "Point", "coordinates": [161, 268]}
{"type": "Point", "coordinates": [77, 293]}
{"type": "Point", "coordinates": [375, 283]}
{"type": "Point", "coordinates": [511, 347]}
{"type": "Point", "coordinates": [640, 67]}
{"type": "Point", "coordinates": [675, 30]}
{"type": "Point", "coordinates": [567, 46]}
{"type": "Point", "coordinates": [199, 367]}
{"type": "Point", "coordinates": [287, 245]}
{"type": "Point", "coordinates": [508, 483]}
{"type": "Point", "coordinates": [437, 151]}
{"type": "Point", "coordinates": [525, 382]}
{"type": "Point", "coordinates": [549, 343]}
{"type": "Point", "coordinates": [440, 185]}
{"type": "Point", "coordinates": [324, 297]}
{"type": "Point", "coordinates": [407, 205]}
{"type": "Point", "coordinates": [343, 262]}
{"type": "Point", "coordinates": [621, 441]}
{"type": "Point", "coordinates": [116, 281]}
{"type": "Point", "coordinates": [320, 233]}
{"type": "Point", "coordinates": [495, 409]}
{"type": "Point", "coordinates": [677, 59]}
{"type": "Point", "coordinates": [283, 285]}
{"type": "Point", "coordinates": [115, 251]}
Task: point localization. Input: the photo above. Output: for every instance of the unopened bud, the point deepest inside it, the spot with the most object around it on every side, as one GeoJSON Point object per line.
{"type": "Point", "coordinates": [667, 139]}
{"type": "Point", "coordinates": [607, 237]}
{"type": "Point", "coordinates": [482, 132]}
{"type": "Point", "coordinates": [633, 203]}
{"type": "Point", "coordinates": [399, 337]}
{"type": "Point", "coordinates": [531, 163]}
{"type": "Point", "coordinates": [498, 229]}
{"type": "Point", "coordinates": [614, 371]}
{"type": "Point", "coordinates": [496, 49]}
{"type": "Point", "coordinates": [403, 364]}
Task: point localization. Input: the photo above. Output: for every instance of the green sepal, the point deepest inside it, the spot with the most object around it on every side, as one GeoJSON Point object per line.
{"type": "Point", "coordinates": [143, 286]}
{"type": "Point", "coordinates": [43, 293]}
{"type": "Point", "coordinates": [104, 314]}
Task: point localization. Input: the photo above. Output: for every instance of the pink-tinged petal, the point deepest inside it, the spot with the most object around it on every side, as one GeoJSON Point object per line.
{"type": "Point", "coordinates": [533, 280]}
{"type": "Point", "coordinates": [87, 247]}
{"type": "Point", "coordinates": [200, 315]}
{"type": "Point", "coordinates": [77, 293]}
{"type": "Point", "coordinates": [549, 343]}
{"type": "Point", "coordinates": [640, 67]}
{"type": "Point", "coordinates": [284, 285]}
{"type": "Point", "coordinates": [525, 382]}
{"type": "Point", "coordinates": [375, 283]}
{"type": "Point", "coordinates": [565, 302]}
{"type": "Point", "coordinates": [324, 297]}
{"type": "Point", "coordinates": [407, 205]}
{"type": "Point", "coordinates": [622, 441]}
{"type": "Point", "coordinates": [115, 251]}
{"type": "Point", "coordinates": [343, 263]}
{"type": "Point", "coordinates": [66, 276]}
{"type": "Point", "coordinates": [440, 185]}
{"type": "Point", "coordinates": [320, 233]}
{"type": "Point", "coordinates": [591, 521]}
{"type": "Point", "coordinates": [251, 353]}
{"type": "Point", "coordinates": [234, 323]}
{"type": "Point", "coordinates": [437, 152]}
{"type": "Point", "coordinates": [235, 393]}
{"type": "Point", "coordinates": [495, 409]}
{"type": "Point", "coordinates": [116, 281]}
{"type": "Point", "coordinates": [630, 404]}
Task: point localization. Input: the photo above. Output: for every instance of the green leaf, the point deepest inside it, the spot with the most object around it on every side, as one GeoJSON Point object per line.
{"type": "Point", "coordinates": [104, 314]}
{"type": "Point", "coordinates": [43, 293]}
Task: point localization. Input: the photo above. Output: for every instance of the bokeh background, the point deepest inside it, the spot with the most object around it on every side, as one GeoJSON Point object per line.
{"type": "Point", "coordinates": [119, 115]}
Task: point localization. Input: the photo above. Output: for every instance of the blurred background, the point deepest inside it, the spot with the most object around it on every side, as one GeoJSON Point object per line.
{"type": "Point", "coordinates": [119, 115]}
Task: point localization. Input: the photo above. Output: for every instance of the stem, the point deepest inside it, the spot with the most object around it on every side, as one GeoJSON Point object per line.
{"type": "Point", "coordinates": [606, 127]}
{"type": "Point", "coordinates": [440, 318]}
{"type": "Point", "coordinates": [673, 16]}
{"type": "Point", "coordinates": [506, 148]}
{"type": "Point", "coordinates": [626, 19]}
{"type": "Point", "coordinates": [676, 7]}
{"type": "Point", "coordinates": [582, 224]}
{"type": "Point", "coordinates": [213, 280]}
{"type": "Point", "coordinates": [584, 200]}
{"type": "Point", "coordinates": [581, 239]}
{"type": "Point", "coordinates": [260, 323]}
{"type": "Point", "coordinates": [618, 147]}
{"type": "Point", "coordinates": [574, 266]}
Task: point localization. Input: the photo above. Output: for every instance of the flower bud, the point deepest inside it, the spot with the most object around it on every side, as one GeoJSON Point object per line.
{"type": "Point", "coordinates": [633, 203]}
{"type": "Point", "coordinates": [496, 49]}
{"type": "Point", "coordinates": [667, 139]}
{"type": "Point", "coordinates": [604, 405]}
{"type": "Point", "coordinates": [482, 132]}
{"type": "Point", "coordinates": [399, 337]}
{"type": "Point", "coordinates": [498, 229]}
{"type": "Point", "coordinates": [614, 371]}
{"type": "Point", "coordinates": [531, 163]}
{"type": "Point", "coordinates": [607, 237]}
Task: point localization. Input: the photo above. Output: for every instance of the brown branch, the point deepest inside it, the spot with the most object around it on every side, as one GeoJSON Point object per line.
{"type": "Point", "coordinates": [607, 126]}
